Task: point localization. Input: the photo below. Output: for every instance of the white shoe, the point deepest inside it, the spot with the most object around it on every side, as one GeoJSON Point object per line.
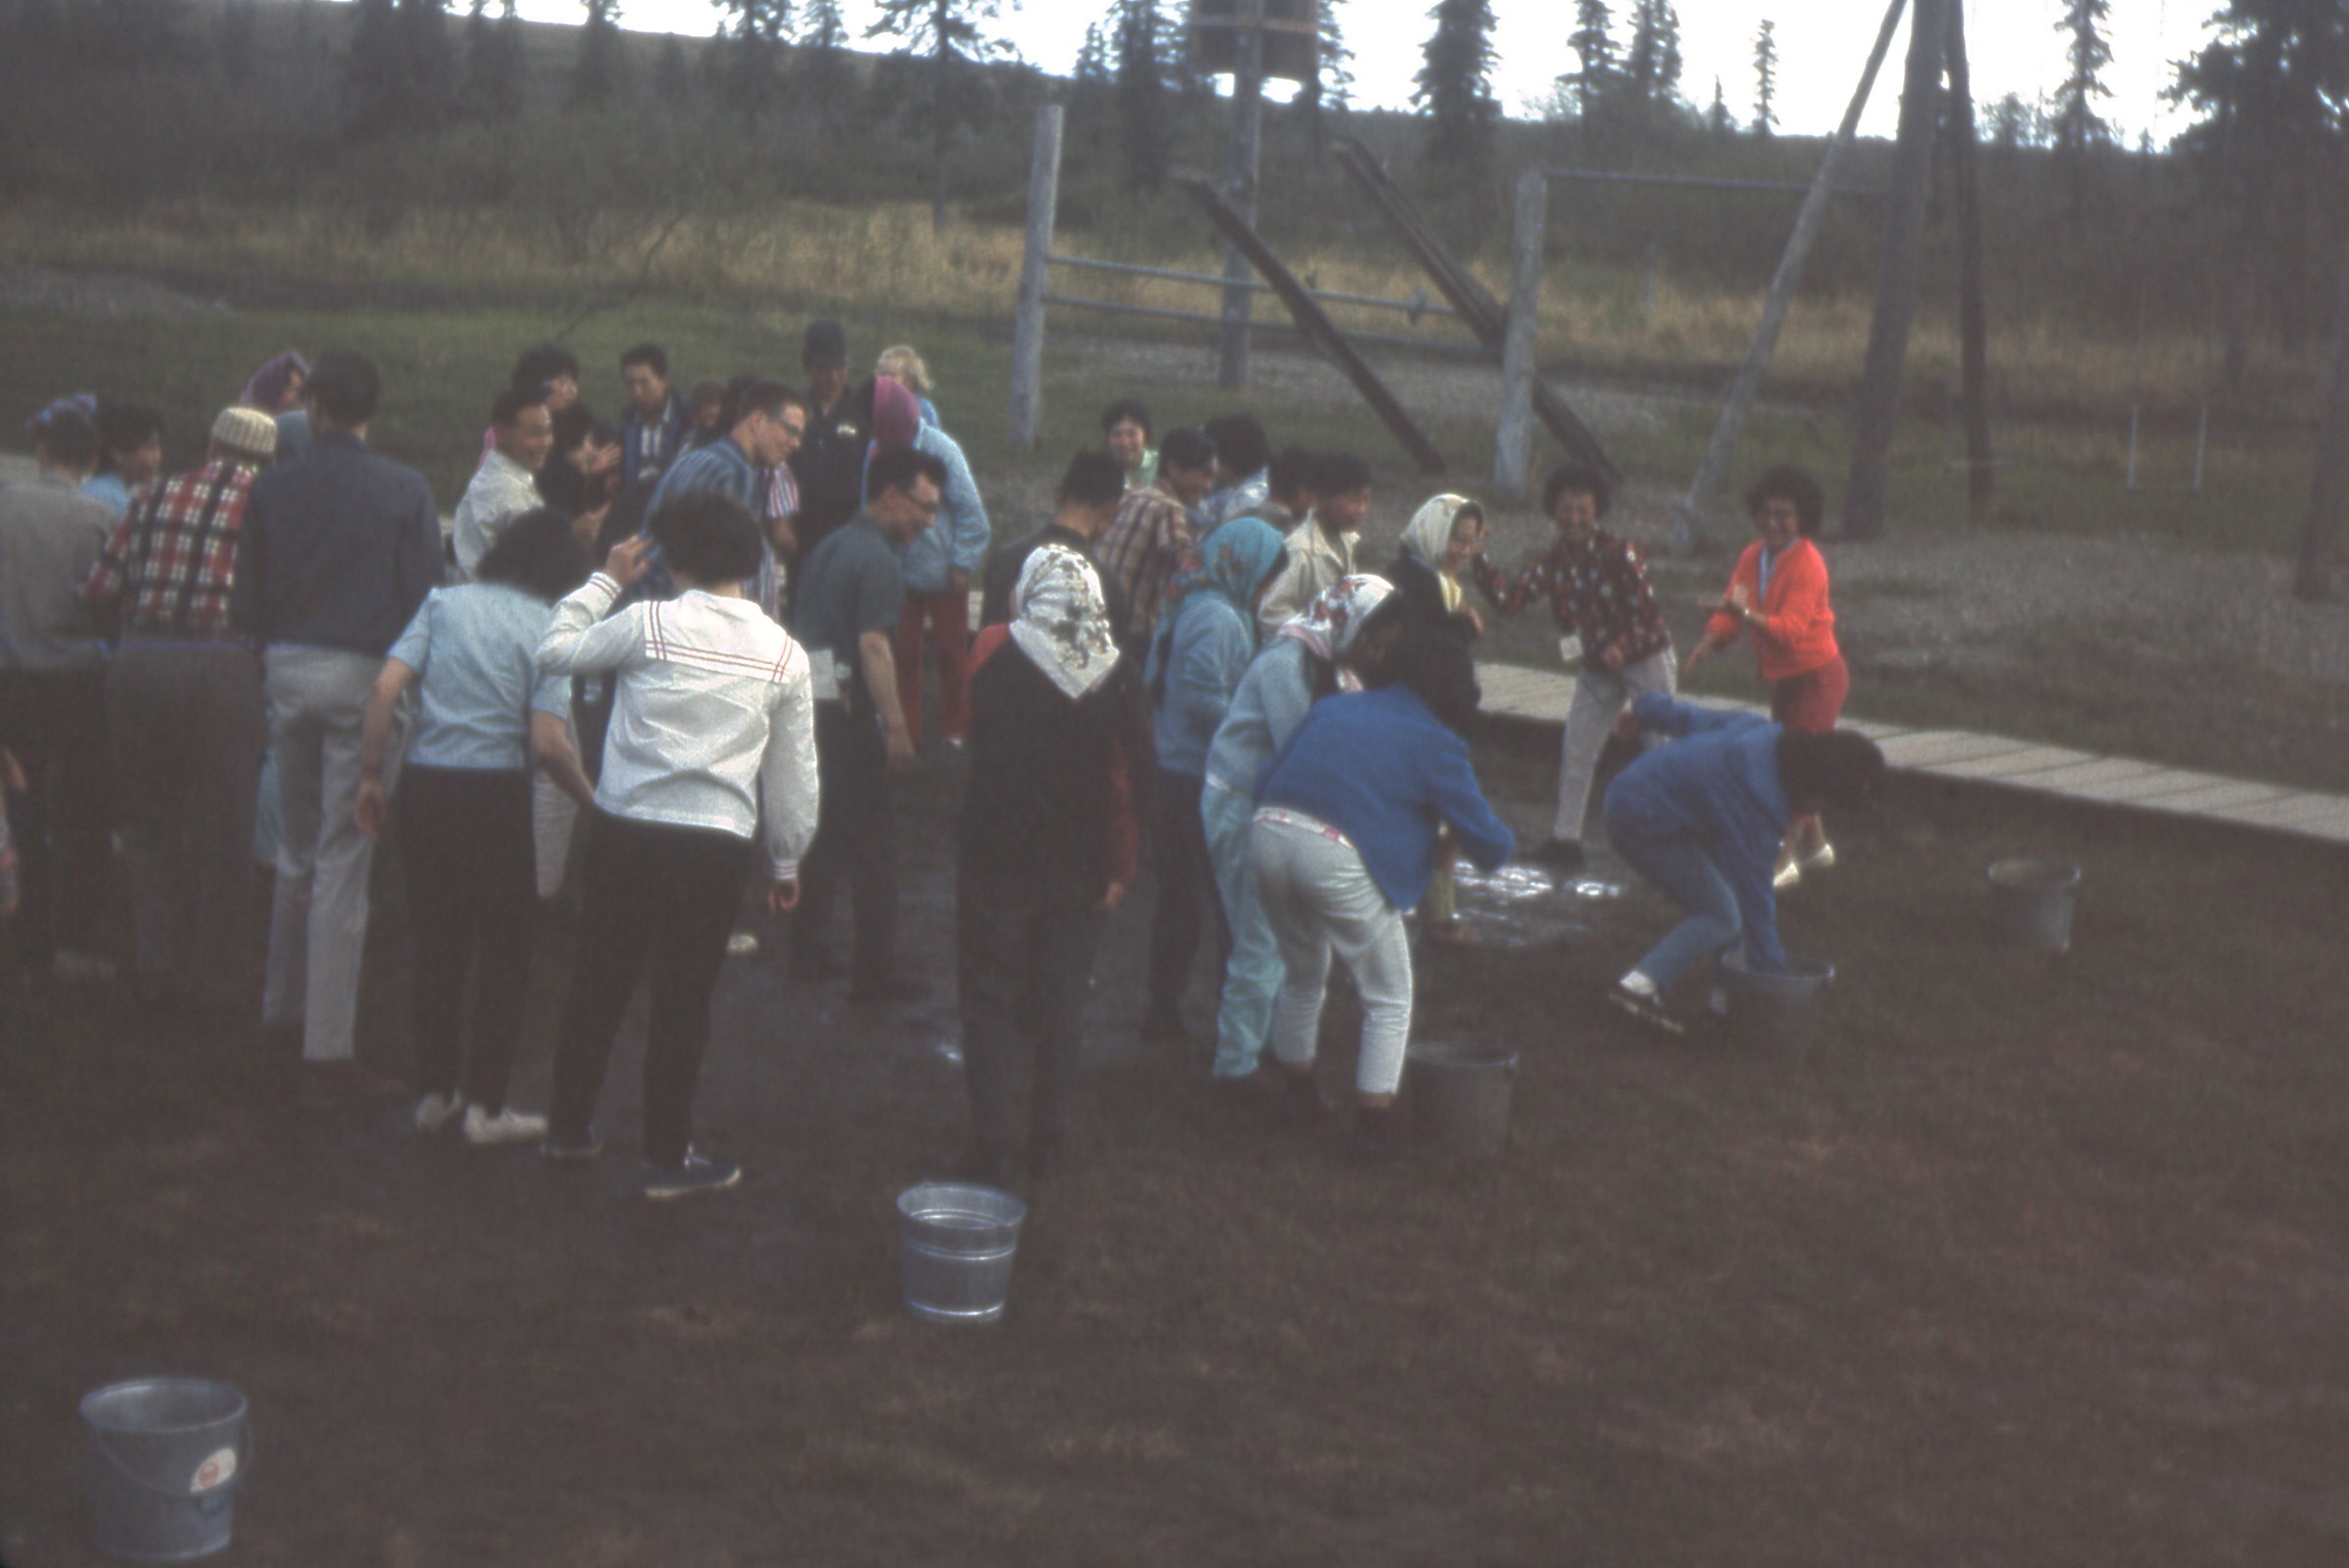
{"type": "Point", "coordinates": [1819, 859]}
{"type": "Point", "coordinates": [509, 1125]}
{"type": "Point", "coordinates": [435, 1112]}
{"type": "Point", "coordinates": [1788, 876]}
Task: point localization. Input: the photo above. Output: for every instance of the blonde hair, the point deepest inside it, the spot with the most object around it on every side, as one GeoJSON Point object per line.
{"type": "Point", "coordinates": [906, 366]}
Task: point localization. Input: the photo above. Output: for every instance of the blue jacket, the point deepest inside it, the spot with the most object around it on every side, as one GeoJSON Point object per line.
{"type": "Point", "coordinates": [339, 548]}
{"type": "Point", "coordinates": [1271, 700]}
{"type": "Point", "coordinates": [958, 541]}
{"type": "Point", "coordinates": [1384, 770]}
{"type": "Point", "coordinates": [1718, 783]}
{"type": "Point", "coordinates": [668, 442]}
{"type": "Point", "coordinates": [1204, 654]}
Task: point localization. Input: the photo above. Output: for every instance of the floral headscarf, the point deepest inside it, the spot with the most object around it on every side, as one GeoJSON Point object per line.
{"type": "Point", "coordinates": [1061, 621]}
{"type": "Point", "coordinates": [1329, 625]}
{"type": "Point", "coordinates": [1429, 536]}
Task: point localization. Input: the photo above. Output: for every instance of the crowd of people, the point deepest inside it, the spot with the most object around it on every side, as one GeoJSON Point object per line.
{"type": "Point", "coordinates": [261, 666]}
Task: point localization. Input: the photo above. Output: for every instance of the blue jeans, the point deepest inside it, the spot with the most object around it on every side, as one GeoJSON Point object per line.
{"type": "Point", "coordinates": [1687, 875]}
{"type": "Point", "coordinates": [1252, 976]}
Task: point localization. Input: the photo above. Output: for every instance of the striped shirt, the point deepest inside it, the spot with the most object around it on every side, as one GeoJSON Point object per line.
{"type": "Point", "coordinates": [172, 559]}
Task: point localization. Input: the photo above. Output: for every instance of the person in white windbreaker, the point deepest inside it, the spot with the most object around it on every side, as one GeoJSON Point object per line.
{"type": "Point", "coordinates": [712, 734]}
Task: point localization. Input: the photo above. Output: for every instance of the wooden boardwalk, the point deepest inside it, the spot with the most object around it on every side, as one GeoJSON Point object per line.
{"type": "Point", "coordinates": [1542, 697]}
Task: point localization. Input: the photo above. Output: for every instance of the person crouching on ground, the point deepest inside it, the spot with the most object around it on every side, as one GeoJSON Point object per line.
{"type": "Point", "coordinates": [1344, 838]}
{"type": "Point", "coordinates": [1333, 645]}
{"type": "Point", "coordinates": [1046, 850]}
{"type": "Point", "coordinates": [1702, 818]}
{"type": "Point", "coordinates": [1779, 594]}
{"type": "Point", "coordinates": [713, 733]}
{"type": "Point", "coordinates": [487, 711]}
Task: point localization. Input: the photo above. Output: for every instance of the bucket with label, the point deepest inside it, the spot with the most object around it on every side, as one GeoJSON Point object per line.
{"type": "Point", "coordinates": [167, 1457]}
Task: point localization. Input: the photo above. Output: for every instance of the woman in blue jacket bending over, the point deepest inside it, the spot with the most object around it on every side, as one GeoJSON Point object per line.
{"type": "Point", "coordinates": [1702, 817]}
{"type": "Point", "coordinates": [1342, 843]}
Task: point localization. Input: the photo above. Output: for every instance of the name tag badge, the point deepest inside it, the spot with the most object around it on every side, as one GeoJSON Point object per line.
{"type": "Point", "coordinates": [823, 677]}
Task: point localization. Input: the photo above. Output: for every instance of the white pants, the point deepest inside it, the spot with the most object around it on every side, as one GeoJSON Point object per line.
{"type": "Point", "coordinates": [1319, 898]}
{"type": "Point", "coordinates": [554, 815]}
{"type": "Point", "coordinates": [1598, 697]}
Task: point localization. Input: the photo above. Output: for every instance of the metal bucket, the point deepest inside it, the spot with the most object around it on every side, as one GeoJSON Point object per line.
{"type": "Point", "coordinates": [167, 1457]}
{"type": "Point", "coordinates": [2034, 900]}
{"type": "Point", "coordinates": [956, 1241]}
{"type": "Point", "coordinates": [1459, 1097]}
{"type": "Point", "coordinates": [1776, 1013]}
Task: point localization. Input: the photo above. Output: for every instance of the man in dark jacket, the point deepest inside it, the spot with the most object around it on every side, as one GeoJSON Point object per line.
{"type": "Point", "coordinates": [830, 462]}
{"type": "Point", "coordinates": [654, 431]}
{"type": "Point", "coordinates": [1088, 497]}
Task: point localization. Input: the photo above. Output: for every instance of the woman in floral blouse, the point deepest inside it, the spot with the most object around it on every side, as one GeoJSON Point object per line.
{"type": "Point", "coordinates": [1596, 584]}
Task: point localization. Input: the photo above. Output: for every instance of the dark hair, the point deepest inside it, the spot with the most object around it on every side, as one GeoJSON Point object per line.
{"type": "Point", "coordinates": [708, 390]}
{"type": "Point", "coordinates": [564, 488]}
{"type": "Point", "coordinates": [1434, 663]}
{"type": "Point", "coordinates": [708, 536]}
{"type": "Point", "coordinates": [747, 395]}
{"type": "Point", "coordinates": [577, 423]}
{"type": "Point", "coordinates": [537, 553]}
{"type": "Point", "coordinates": [897, 467]}
{"type": "Point", "coordinates": [1185, 448]}
{"type": "Point", "coordinates": [345, 386]}
{"type": "Point", "coordinates": [1343, 474]}
{"type": "Point", "coordinates": [1125, 408]}
{"type": "Point", "coordinates": [1576, 476]}
{"type": "Point", "coordinates": [1091, 479]}
{"type": "Point", "coordinates": [511, 402]}
{"type": "Point", "coordinates": [1295, 472]}
{"type": "Point", "coordinates": [540, 364]}
{"type": "Point", "coordinates": [1786, 483]}
{"type": "Point", "coordinates": [126, 426]}
{"type": "Point", "coordinates": [68, 438]}
{"type": "Point", "coordinates": [650, 355]}
{"type": "Point", "coordinates": [1239, 441]}
{"type": "Point", "coordinates": [1841, 768]}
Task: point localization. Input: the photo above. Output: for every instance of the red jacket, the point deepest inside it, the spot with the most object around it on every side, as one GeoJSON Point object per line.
{"type": "Point", "coordinates": [1797, 632]}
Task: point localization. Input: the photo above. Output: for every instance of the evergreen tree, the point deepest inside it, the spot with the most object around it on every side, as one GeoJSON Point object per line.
{"type": "Point", "coordinates": [491, 82]}
{"type": "Point", "coordinates": [2077, 122]}
{"type": "Point", "coordinates": [1651, 65]}
{"type": "Point", "coordinates": [1598, 72]}
{"type": "Point", "coordinates": [747, 72]}
{"type": "Point", "coordinates": [823, 78]}
{"type": "Point", "coordinates": [1766, 79]}
{"type": "Point", "coordinates": [1142, 95]}
{"type": "Point", "coordinates": [672, 76]}
{"type": "Point", "coordinates": [1093, 61]}
{"type": "Point", "coordinates": [598, 74]}
{"type": "Point", "coordinates": [1331, 87]}
{"type": "Point", "coordinates": [1718, 118]}
{"type": "Point", "coordinates": [1455, 82]}
{"type": "Point", "coordinates": [949, 37]}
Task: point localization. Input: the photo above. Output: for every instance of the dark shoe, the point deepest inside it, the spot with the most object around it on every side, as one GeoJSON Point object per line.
{"type": "Point", "coordinates": [585, 1144]}
{"type": "Point", "coordinates": [988, 1167]}
{"type": "Point", "coordinates": [1380, 1137]}
{"type": "Point", "coordinates": [888, 991]}
{"type": "Point", "coordinates": [1646, 1010]}
{"type": "Point", "coordinates": [690, 1175]}
{"type": "Point", "coordinates": [1043, 1157]}
{"type": "Point", "coordinates": [1560, 854]}
{"type": "Point", "coordinates": [1299, 1102]}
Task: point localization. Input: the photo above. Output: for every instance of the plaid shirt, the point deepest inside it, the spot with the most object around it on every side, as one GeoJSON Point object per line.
{"type": "Point", "coordinates": [172, 556]}
{"type": "Point", "coordinates": [1144, 543]}
{"type": "Point", "coordinates": [1598, 590]}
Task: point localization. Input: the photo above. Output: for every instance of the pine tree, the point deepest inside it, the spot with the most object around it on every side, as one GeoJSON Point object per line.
{"type": "Point", "coordinates": [822, 78]}
{"type": "Point", "coordinates": [1331, 89]}
{"type": "Point", "coordinates": [1718, 118]}
{"type": "Point", "coordinates": [747, 70]}
{"type": "Point", "coordinates": [948, 37]}
{"type": "Point", "coordinates": [672, 74]}
{"type": "Point", "coordinates": [1594, 80]}
{"type": "Point", "coordinates": [598, 74]}
{"type": "Point", "coordinates": [1091, 69]}
{"type": "Point", "coordinates": [2077, 122]}
{"type": "Point", "coordinates": [1455, 82]}
{"type": "Point", "coordinates": [1651, 65]}
{"type": "Point", "coordinates": [1766, 79]}
{"type": "Point", "coordinates": [1141, 108]}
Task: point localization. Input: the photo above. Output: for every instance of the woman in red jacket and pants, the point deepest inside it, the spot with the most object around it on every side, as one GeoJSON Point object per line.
{"type": "Point", "coordinates": [1779, 594]}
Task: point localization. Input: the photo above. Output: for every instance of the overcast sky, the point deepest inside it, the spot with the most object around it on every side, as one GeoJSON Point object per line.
{"type": "Point", "coordinates": [1822, 44]}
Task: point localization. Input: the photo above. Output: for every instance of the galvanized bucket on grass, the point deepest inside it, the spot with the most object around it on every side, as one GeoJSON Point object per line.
{"type": "Point", "coordinates": [167, 1457]}
{"type": "Point", "coordinates": [1776, 1013]}
{"type": "Point", "coordinates": [956, 1242]}
{"type": "Point", "coordinates": [2035, 900]}
{"type": "Point", "coordinates": [1459, 1097]}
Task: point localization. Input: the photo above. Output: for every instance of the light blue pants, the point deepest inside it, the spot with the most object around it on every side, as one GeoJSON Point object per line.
{"type": "Point", "coordinates": [1680, 870]}
{"type": "Point", "coordinates": [1252, 978]}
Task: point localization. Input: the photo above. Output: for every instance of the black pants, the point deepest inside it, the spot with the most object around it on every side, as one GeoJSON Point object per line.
{"type": "Point", "coordinates": [1024, 954]}
{"type": "Point", "coordinates": [464, 836]}
{"type": "Point", "coordinates": [856, 842]}
{"type": "Point", "coordinates": [55, 722]}
{"type": "Point", "coordinates": [670, 894]}
{"type": "Point", "coordinates": [1186, 889]}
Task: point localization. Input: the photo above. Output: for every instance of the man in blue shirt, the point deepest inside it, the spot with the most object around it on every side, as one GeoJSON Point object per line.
{"type": "Point", "coordinates": [769, 419]}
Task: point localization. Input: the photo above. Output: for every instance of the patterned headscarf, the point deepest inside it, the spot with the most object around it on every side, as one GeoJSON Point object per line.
{"type": "Point", "coordinates": [268, 388]}
{"type": "Point", "coordinates": [1330, 624]}
{"type": "Point", "coordinates": [1428, 535]}
{"type": "Point", "coordinates": [1061, 621]}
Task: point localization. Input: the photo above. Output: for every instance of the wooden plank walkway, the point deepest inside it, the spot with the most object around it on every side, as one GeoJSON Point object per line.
{"type": "Point", "coordinates": [1542, 697]}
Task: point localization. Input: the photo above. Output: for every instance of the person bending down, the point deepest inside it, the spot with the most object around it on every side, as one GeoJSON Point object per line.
{"type": "Point", "coordinates": [1702, 818]}
{"type": "Point", "coordinates": [713, 731]}
{"type": "Point", "coordinates": [1344, 839]}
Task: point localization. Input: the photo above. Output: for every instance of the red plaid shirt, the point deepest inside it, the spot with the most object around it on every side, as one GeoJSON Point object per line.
{"type": "Point", "coordinates": [1598, 590]}
{"type": "Point", "coordinates": [172, 557]}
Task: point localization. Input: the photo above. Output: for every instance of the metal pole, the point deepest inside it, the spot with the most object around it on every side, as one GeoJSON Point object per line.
{"type": "Point", "coordinates": [1513, 450]}
{"type": "Point", "coordinates": [1688, 524]}
{"type": "Point", "coordinates": [1240, 184]}
{"type": "Point", "coordinates": [1027, 327]}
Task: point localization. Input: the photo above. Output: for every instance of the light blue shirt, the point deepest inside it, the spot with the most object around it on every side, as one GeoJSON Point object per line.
{"type": "Point", "coordinates": [110, 489]}
{"type": "Point", "coordinates": [474, 649]}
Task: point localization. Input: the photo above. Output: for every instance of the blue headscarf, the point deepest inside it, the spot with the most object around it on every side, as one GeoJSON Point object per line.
{"type": "Point", "coordinates": [1234, 562]}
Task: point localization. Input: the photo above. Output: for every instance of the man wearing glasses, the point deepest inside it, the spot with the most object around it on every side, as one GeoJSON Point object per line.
{"type": "Point", "coordinates": [769, 421]}
{"type": "Point", "coordinates": [849, 598]}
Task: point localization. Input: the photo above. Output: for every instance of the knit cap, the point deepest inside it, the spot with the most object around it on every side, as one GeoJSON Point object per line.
{"type": "Point", "coordinates": [247, 431]}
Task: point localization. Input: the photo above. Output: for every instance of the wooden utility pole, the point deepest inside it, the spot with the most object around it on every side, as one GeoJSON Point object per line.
{"type": "Point", "coordinates": [2330, 492]}
{"type": "Point", "coordinates": [1240, 185]}
{"type": "Point", "coordinates": [1513, 451]}
{"type": "Point", "coordinates": [1027, 325]}
{"type": "Point", "coordinates": [1688, 524]}
{"type": "Point", "coordinates": [1974, 352]}
{"type": "Point", "coordinates": [1877, 412]}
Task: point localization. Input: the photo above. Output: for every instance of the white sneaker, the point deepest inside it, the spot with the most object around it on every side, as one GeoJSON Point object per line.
{"type": "Point", "coordinates": [1819, 859]}
{"type": "Point", "coordinates": [1788, 876]}
{"type": "Point", "coordinates": [509, 1125]}
{"type": "Point", "coordinates": [435, 1112]}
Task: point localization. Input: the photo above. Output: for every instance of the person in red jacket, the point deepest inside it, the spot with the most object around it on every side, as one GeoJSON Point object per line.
{"type": "Point", "coordinates": [1779, 594]}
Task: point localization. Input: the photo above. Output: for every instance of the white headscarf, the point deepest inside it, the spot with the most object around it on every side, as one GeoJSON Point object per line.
{"type": "Point", "coordinates": [1061, 622]}
{"type": "Point", "coordinates": [1331, 622]}
{"type": "Point", "coordinates": [1428, 535]}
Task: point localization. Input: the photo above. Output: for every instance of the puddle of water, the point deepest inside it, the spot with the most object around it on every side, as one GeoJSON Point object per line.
{"type": "Point", "coordinates": [1512, 883]}
{"type": "Point", "coordinates": [1596, 891]}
